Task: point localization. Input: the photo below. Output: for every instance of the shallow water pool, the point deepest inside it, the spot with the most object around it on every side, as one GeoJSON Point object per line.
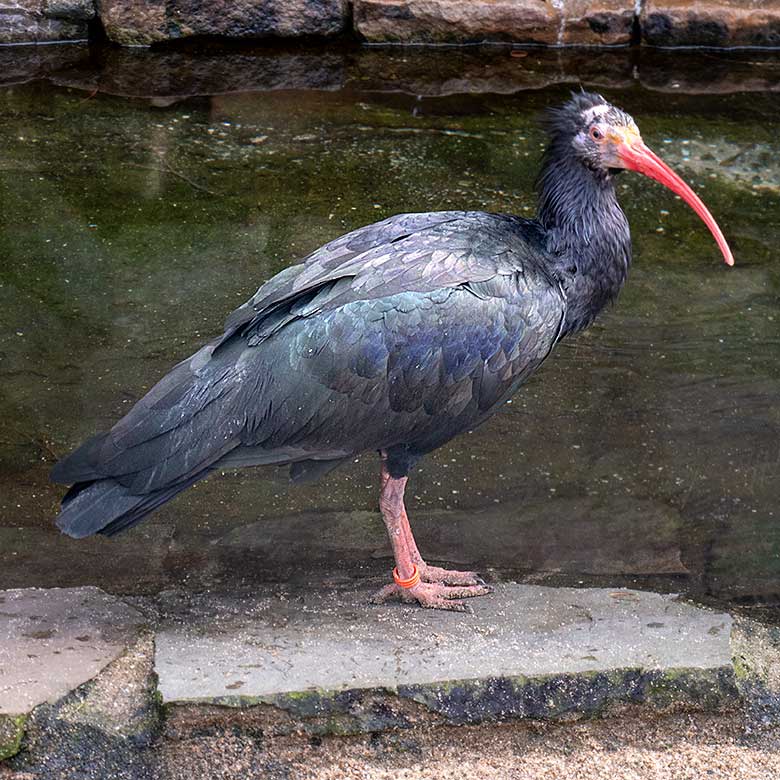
{"type": "Point", "coordinates": [646, 452]}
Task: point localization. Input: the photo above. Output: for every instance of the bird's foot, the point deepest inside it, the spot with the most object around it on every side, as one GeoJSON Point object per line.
{"type": "Point", "coordinates": [434, 595]}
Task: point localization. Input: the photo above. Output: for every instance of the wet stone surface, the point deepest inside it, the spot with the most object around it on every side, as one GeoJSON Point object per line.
{"type": "Point", "coordinates": [280, 661]}
{"type": "Point", "coordinates": [558, 23]}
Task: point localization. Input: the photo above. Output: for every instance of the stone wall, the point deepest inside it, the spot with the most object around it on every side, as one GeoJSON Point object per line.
{"type": "Point", "coordinates": [722, 23]}
{"type": "Point", "coordinates": [151, 21]}
{"type": "Point", "coordinates": [43, 21]}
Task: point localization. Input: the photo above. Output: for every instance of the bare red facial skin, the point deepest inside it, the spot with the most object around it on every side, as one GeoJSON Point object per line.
{"type": "Point", "coordinates": [638, 157]}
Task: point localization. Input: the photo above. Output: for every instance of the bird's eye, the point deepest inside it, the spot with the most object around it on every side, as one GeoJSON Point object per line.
{"type": "Point", "coordinates": [596, 134]}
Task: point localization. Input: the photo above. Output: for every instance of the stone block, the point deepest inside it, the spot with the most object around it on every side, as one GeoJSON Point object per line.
{"type": "Point", "coordinates": [51, 642]}
{"type": "Point", "coordinates": [143, 22]}
{"type": "Point", "coordinates": [456, 21]}
{"type": "Point", "coordinates": [72, 10]}
{"type": "Point", "coordinates": [32, 21]}
{"type": "Point", "coordinates": [589, 22]}
{"type": "Point", "coordinates": [564, 22]}
{"type": "Point", "coordinates": [730, 23]}
{"type": "Point", "coordinates": [330, 661]}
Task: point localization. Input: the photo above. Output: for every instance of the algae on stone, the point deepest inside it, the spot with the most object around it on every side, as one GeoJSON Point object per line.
{"type": "Point", "coordinates": [11, 734]}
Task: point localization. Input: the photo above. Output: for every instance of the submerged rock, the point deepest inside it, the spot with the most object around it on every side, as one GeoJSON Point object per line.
{"type": "Point", "coordinates": [178, 73]}
{"type": "Point", "coordinates": [19, 64]}
{"type": "Point", "coordinates": [131, 22]}
{"type": "Point", "coordinates": [174, 74]}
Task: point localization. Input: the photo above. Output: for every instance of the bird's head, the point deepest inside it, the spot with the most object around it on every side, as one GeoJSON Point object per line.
{"type": "Point", "coordinates": [605, 140]}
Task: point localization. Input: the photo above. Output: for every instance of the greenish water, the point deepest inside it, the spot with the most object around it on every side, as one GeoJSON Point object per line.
{"type": "Point", "coordinates": [645, 452]}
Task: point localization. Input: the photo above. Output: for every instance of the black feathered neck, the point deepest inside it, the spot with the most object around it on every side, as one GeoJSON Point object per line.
{"type": "Point", "coordinates": [585, 228]}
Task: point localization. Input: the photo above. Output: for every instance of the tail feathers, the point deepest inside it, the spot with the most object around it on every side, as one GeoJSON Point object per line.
{"type": "Point", "coordinates": [107, 507]}
{"type": "Point", "coordinates": [79, 466]}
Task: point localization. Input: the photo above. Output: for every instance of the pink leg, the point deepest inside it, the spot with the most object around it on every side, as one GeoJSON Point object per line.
{"type": "Point", "coordinates": [438, 588]}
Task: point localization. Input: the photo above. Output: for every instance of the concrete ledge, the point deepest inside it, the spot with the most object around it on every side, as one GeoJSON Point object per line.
{"type": "Point", "coordinates": [331, 663]}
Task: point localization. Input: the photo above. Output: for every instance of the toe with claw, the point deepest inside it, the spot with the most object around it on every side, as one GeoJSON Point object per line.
{"type": "Point", "coordinates": [448, 576]}
{"type": "Point", "coordinates": [433, 595]}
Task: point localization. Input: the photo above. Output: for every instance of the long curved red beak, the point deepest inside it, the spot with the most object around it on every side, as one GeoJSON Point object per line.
{"type": "Point", "coordinates": [638, 157]}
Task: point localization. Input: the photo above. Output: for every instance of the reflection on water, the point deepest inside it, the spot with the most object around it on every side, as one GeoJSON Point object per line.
{"type": "Point", "coordinates": [645, 452]}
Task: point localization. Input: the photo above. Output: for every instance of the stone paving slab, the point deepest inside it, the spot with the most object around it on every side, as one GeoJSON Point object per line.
{"type": "Point", "coordinates": [527, 650]}
{"type": "Point", "coordinates": [52, 641]}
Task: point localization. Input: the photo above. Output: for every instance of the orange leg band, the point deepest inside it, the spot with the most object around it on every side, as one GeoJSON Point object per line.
{"type": "Point", "coordinates": [411, 582]}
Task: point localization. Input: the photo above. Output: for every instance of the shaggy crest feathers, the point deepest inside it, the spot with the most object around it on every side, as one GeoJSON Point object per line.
{"type": "Point", "coordinates": [567, 119]}
{"type": "Point", "coordinates": [564, 122]}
